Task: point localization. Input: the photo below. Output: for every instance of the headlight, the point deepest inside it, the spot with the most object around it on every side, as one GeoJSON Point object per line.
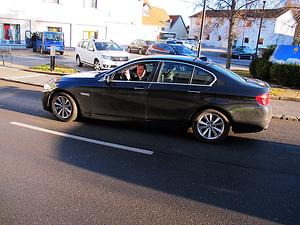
{"type": "Point", "coordinates": [106, 57]}
{"type": "Point", "coordinates": [51, 84]}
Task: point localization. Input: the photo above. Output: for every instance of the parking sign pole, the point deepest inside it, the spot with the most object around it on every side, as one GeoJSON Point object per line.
{"type": "Point", "coordinates": [201, 29]}
{"type": "Point", "coordinates": [52, 58]}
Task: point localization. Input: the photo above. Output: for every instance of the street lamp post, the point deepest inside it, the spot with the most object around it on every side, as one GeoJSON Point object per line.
{"type": "Point", "coordinates": [260, 24]}
{"type": "Point", "coordinates": [201, 29]}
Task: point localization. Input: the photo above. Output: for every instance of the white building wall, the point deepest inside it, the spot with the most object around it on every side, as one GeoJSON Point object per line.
{"type": "Point", "coordinates": [179, 29]}
{"type": "Point", "coordinates": [274, 31]}
{"type": "Point", "coordinates": [113, 19]}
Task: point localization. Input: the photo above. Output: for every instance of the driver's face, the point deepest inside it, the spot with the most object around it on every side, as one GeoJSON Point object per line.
{"type": "Point", "coordinates": [140, 70]}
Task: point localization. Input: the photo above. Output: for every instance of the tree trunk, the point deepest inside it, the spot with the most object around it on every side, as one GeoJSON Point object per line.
{"type": "Point", "coordinates": [230, 35]}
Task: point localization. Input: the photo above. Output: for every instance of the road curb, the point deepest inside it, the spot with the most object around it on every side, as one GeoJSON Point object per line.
{"type": "Point", "coordinates": [284, 117]}
{"type": "Point", "coordinates": [285, 98]}
{"type": "Point", "coordinates": [21, 82]}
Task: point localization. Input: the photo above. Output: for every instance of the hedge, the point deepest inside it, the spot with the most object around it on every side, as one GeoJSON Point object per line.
{"type": "Point", "coordinates": [286, 74]}
{"type": "Point", "coordinates": [260, 69]}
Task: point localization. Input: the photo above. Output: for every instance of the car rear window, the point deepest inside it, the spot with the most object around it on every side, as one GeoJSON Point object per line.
{"type": "Point", "coordinates": [202, 77]}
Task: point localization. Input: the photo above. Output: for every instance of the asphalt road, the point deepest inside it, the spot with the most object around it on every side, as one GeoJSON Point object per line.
{"type": "Point", "coordinates": [48, 176]}
{"type": "Point", "coordinates": [29, 59]}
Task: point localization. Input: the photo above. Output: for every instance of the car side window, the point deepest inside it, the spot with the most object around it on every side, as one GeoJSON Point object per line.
{"type": "Point", "coordinates": [172, 72]}
{"type": "Point", "coordinates": [202, 77]}
{"type": "Point", "coordinates": [91, 46]}
{"type": "Point", "coordinates": [141, 71]}
{"type": "Point", "coordinates": [84, 44]}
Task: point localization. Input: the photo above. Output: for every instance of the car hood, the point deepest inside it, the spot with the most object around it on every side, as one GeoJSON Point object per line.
{"type": "Point", "coordinates": [115, 53]}
{"type": "Point", "coordinates": [90, 74]}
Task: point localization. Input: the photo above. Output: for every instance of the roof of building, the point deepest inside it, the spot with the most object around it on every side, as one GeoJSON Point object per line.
{"type": "Point", "coordinates": [174, 18]}
{"type": "Point", "coordinates": [157, 16]}
{"type": "Point", "coordinates": [253, 13]}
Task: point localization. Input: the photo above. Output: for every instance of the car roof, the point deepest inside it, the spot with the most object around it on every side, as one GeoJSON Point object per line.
{"type": "Point", "coordinates": [186, 59]}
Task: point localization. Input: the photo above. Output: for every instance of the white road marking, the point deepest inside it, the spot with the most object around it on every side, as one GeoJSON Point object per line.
{"type": "Point", "coordinates": [108, 144]}
{"type": "Point", "coordinates": [28, 76]}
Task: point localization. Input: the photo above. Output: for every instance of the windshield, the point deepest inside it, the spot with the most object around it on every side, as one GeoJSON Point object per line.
{"type": "Point", "coordinates": [179, 49]}
{"type": "Point", "coordinates": [227, 72]}
{"type": "Point", "coordinates": [110, 46]}
{"type": "Point", "coordinates": [150, 43]}
{"type": "Point", "coordinates": [54, 37]}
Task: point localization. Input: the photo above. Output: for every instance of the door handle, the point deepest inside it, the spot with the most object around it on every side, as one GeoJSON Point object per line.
{"type": "Point", "coordinates": [195, 92]}
{"type": "Point", "coordinates": [139, 88]}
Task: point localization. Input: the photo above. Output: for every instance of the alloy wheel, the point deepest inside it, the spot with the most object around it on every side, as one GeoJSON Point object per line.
{"type": "Point", "coordinates": [63, 107]}
{"type": "Point", "coordinates": [210, 126]}
{"type": "Point", "coordinates": [97, 65]}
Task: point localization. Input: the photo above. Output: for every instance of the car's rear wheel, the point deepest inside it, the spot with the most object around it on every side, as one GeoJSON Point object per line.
{"type": "Point", "coordinates": [211, 126]}
{"type": "Point", "coordinates": [64, 107]}
{"type": "Point", "coordinates": [97, 65]}
{"type": "Point", "coordinates": [78, 61]}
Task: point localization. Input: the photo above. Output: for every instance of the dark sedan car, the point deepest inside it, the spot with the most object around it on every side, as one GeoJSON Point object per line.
{"type": "Point", "coordinates": [175, 89]}
{"type": "Point", "coordinates": [139, 46]}
{"type": "Point", "coordinates": [243, 52]}
{"type": "Point", "coordinates": [173, 49]}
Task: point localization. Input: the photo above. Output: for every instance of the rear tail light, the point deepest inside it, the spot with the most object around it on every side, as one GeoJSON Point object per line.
{"type": "Point", "coordinates": [263, 99]}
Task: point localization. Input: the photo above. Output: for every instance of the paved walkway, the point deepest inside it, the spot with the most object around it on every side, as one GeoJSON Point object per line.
{"type": "Point", "coordinates": [11, 72]}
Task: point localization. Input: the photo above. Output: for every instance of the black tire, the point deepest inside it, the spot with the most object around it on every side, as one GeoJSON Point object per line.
{"type": "Point", "coordinates": [64, 107]}
{"type": "Point", "coordinates": [211, 126]}
{"type": "Point", "coordinates": [78, 61]}
{"type": "Point", "coordinates": [61, 53]}
{"type": "Point", "coordinates": [97, 65]}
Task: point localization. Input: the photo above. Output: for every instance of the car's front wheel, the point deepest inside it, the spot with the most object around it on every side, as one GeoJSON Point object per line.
{"type": "Point", "coordinates": [211, 126]}
{"type": "Point", "coordinates": [97, 65]}
{"type": "Point", "coordinates": [64, 107]}
{"type": "Point", "coordinates": [78, 61]}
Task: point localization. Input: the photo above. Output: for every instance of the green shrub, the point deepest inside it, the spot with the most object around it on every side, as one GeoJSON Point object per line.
{"type": "Point", "coordinates": [268, 52]}
{"type": "Point", "coordinates": [286, 74]}
{"type": "Point", "coordinates": [260, 69]}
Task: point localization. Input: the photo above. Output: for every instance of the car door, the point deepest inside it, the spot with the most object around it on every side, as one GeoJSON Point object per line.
{"type": "Point", "coordinates": [172, 97]}
{"type": "Point", "coordinates": [90, 52]}
{"type": "Point", "coordinates": [83, 51]}
{"type": "Point", "coordinates": [123, 98]}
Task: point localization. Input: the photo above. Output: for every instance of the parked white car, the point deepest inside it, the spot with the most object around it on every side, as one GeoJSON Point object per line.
{"type": "Point", "coordinates": [101, 54]}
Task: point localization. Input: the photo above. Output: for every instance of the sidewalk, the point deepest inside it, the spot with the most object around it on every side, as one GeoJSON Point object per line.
{"type": "Point", "coordinates": [282, 109]}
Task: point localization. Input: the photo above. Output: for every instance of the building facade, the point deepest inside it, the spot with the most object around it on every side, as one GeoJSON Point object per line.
{"type": "Point", "coordinates": [278, 27]}
{"type": "Point", "coordinates": [78, 19]}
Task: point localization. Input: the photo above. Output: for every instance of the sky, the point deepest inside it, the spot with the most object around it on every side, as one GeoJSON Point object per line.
{"type": "Point", "coordinates": [185, 8]}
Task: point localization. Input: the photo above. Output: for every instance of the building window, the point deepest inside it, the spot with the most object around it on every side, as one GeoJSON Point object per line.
{"type": "Point", "coordinates": [207, 37]}
{"type": "Point", "coordinates": [52, 1]}
{"type": "Point", "coordinates": [55, 29]}
{"type": "Point", "coordinates": [90, 4]}
{"type": "Point", "coordinates": [10, 33]}
{"type": "Point", "coordinates": [90, 35]}
{"type": "Point", "coordinates": [219, 38]}
{"type": "Point", "coordinates": [246, 40]}
{"type": "Point", "coordinates": [261, 41]}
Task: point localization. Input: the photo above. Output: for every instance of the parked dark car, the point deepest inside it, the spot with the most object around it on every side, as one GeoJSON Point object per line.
{"type": "Point", "coordinates": [140, 46]}
{"type": "Point", "coordinates": [243, 52]}
{"type": "Point", "coordinates": [173, 49]}
{"type": "Point", "coordinates": [179, 90]}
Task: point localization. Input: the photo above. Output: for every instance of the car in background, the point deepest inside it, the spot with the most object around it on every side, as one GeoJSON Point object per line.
{"type": "Point", "coordinates": [191, 44]}
{"type": "Point", "coordinates": [173, 49]}
{"type": "Point", "coordinates": [183, 91]}
{"type": "Point", "coordinates": [140, 46]}
{"type": "Point", "coordinates": [101, 54]}
{"type": "Point", "coordinates": [243, 52]}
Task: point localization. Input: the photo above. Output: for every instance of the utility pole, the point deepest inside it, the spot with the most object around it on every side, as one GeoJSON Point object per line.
{"type": "Point", "coordinates": [259, 30]}
{"type": "Point", "coordinates": [201, 29]}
